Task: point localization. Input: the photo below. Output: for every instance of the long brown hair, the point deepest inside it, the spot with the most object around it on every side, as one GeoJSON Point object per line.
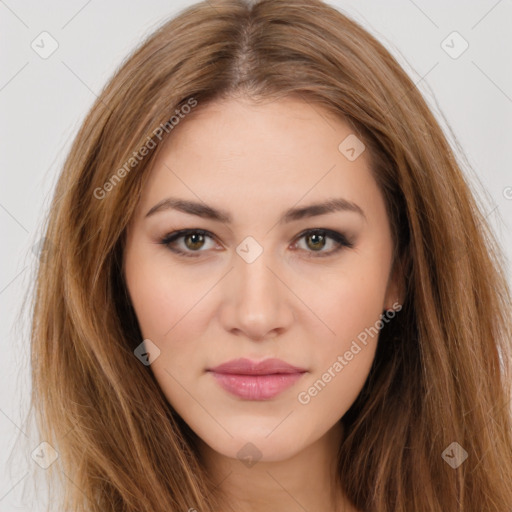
{"type": "Point", "coordinates": [442, 370]}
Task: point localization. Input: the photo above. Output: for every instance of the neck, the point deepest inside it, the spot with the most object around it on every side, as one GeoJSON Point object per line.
{"type": "Point", "coordinates": [306, 481]}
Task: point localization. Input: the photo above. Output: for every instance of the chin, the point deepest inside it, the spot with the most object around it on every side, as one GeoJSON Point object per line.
{"type": "Point", "coordinates": [251, 445]}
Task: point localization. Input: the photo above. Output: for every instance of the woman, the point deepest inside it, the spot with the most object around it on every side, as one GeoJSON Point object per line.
{"type": "Point", "coordinates": [332, 334]}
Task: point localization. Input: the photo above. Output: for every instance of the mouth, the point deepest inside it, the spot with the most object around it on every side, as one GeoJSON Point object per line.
{"type": "Point", "coordinates": [251, 380]}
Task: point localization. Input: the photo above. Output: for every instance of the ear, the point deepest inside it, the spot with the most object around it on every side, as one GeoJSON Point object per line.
{"type": "Point", "coordinates": [395, 291]}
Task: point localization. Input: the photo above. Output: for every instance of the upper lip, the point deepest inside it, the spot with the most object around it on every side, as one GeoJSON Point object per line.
{"type": "Point", "coordinates": [247, 367]}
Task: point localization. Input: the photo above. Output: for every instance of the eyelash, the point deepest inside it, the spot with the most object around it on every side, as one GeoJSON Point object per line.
{"type": "Point", "coordinates": [339, 238]}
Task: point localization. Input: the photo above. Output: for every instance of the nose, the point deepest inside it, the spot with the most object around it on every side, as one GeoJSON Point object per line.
{"type": "Point", "coordinates": [257, 302]}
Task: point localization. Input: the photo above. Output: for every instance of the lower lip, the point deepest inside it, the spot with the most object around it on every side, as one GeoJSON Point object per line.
{"type": "Point", "coordinates": [256, 387]}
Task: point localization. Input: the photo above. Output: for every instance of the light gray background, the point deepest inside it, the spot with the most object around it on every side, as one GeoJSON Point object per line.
{"type": "Point", "coordinates": [43, 102]}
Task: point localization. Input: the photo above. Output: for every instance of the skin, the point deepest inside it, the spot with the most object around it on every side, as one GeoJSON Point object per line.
{"type": "Point", "coordinates": [256, 161]}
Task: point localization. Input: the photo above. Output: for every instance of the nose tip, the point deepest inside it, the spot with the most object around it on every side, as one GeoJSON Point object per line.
{"type": "Point", "coordinates": [258, 305]}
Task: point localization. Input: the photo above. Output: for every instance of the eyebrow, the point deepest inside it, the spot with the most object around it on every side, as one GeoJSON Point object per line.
{"type": "Point", "coordinates": [290, 215]}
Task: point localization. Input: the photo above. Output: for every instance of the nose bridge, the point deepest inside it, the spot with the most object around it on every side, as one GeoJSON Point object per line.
{"type": "Point", "coordinates": [252, 271]}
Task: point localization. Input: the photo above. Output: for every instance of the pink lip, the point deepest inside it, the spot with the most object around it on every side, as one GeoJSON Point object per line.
{"type": "Point", "coordinates": [253, 380]}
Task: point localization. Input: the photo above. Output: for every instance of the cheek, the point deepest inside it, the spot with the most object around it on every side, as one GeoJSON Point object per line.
{"type": "Point", "coordinates": [157, 292]}
{"type": "Point", "coordinates": [167, 305]}
{"type": "Point", "coordinates": [351, 306]}
{"type": "Point", "coordinates": [359, 305]}
{"type": "Point", "coordinates": [342, 360]}
{"type": "Point", "coordinates": [155, 306]}
{"type": "Point", "coordinates": [350, 302]}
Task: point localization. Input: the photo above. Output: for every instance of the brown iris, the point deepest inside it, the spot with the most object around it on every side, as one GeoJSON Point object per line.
{"type": "Point", "coordinates": [197, 239]}
{"type": "Point", "coordinates": [318, 239]}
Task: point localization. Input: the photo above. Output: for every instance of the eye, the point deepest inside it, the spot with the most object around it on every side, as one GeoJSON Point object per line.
{"type": "Point", "coordinates": [316, 240]}
{"type": "Point", "coordinates": [193, 238]}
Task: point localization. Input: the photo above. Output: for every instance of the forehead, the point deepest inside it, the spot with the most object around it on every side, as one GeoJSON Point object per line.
{"type": "Point", "coordinates": [232, 127]}
{"type": "Point", "coordinates": [263, 154]}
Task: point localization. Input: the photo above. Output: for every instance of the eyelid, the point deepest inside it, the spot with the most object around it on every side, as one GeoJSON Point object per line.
{"type": "Point", "coordinates": [340, 239]}
{"type": "Point", "coordinates": [181, 233]}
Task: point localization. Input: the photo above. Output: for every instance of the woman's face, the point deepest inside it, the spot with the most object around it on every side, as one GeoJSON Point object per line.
{"type": "Point", "coordinates": [257, 283]}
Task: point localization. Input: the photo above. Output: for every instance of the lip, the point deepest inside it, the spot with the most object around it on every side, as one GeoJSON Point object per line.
{"type": "Point", "coordinates": [256, 380]}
